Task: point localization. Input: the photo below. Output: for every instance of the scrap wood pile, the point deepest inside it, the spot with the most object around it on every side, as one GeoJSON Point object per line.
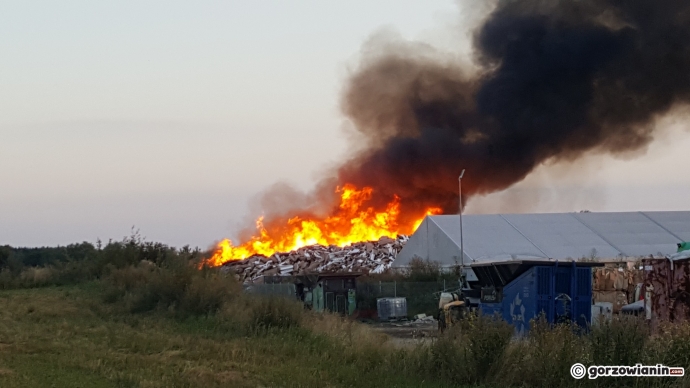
{"type": "Point", "coordinates": [363, 257]}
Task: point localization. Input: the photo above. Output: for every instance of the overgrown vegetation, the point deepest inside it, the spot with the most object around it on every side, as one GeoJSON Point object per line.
{"type": "Point", "coordinates": [138, 314]}
{"type": "Point", "coordinates": [77, 263]}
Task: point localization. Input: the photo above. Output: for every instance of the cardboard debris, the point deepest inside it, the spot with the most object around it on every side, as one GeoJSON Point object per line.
{"type": "Point", "coordinates": [363, 257]}
{"type": "Point", "coordinates": [617, 298]}
{"type": "Point", "coordinates": [615, 279]}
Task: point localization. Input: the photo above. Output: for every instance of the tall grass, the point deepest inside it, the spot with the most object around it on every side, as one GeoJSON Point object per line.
{"type": "Point", "coordinates": [140, 281]}
{"type": "Point", "coordinates": [544, 357]}
{"type": "Point", "coordinates": [621, 341]}
{"type": "Point", "coordinates": [270, 313]}
{"type": "Point", "coordinates": [175, 287]}
{"type": "Point", "coordinates": [468, 353]}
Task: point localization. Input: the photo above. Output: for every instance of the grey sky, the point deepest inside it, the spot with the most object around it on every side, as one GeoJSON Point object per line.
{"type": "Point", "coordinates": [171, 115]}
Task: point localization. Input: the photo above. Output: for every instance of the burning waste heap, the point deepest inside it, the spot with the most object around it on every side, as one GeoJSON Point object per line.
{"type": "Point", "coordinates": [356, 238]}
{"type": "Point", "coordinates": [362, 257]}
{"type": "Point", "coordinates": [551, 81]}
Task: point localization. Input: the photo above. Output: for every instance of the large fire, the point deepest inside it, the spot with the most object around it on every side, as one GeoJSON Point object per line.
{"type": "Point", "coordinates": [353, 221]}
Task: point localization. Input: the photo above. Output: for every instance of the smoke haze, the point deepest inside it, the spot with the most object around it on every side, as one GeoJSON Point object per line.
{"type": "Point", "coordinates": [549, 81]}
{"type": "Point", "coordinates": [557, 79]}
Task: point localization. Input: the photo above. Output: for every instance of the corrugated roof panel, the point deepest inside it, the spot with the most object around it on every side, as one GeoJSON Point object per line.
{"type": "Point", "coordinates": [631, 233]}
{"type": "Point", "coordinates": [561, 236]}
{"type": "Point", "coordinates": [487, 237]}
{"type": "Point", "coordinates": [677, 223]}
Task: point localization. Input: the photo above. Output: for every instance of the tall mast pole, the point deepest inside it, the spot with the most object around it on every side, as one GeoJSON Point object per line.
{"type": "Point", "coordinates": [460, 209]}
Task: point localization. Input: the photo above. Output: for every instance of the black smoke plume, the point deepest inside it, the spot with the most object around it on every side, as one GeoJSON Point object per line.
{"type": "Point", "coordinates": [556, 80]}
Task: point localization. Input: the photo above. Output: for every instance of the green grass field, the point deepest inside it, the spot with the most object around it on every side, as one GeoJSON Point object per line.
{"type": "Point", "coordinates": [66, 337]}
{"type": "Point", "coordinates": [137, 314]}
{"type": "Point", "coordinates": [141, 314]}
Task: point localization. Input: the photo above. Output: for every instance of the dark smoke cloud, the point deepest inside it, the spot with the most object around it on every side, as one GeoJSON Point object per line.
{"type": "Point", "coordinates": [556, 80]}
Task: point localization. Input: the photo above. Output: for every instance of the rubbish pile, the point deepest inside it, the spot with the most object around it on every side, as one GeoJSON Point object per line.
{"type": "Point", "coordinates": [419, 319]}
{"type": "Point", "coordinates": [616, 285]}
{"type": "Point", "coordinates": [423, 318]}
{"type": "Point", "coordinates": [364, 257]}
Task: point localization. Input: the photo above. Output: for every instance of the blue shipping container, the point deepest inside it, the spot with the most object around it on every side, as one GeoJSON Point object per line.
{"type": "Point", "coordinates": [562, 293]}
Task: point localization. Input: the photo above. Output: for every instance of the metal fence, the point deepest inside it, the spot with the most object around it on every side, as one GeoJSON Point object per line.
{"type": "Point", "coordinates": [286, 290]}
{"type": "Point", "coordinates": [422, 297]}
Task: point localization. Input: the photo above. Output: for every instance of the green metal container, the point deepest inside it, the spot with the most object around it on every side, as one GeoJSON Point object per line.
{"type": "Point", "coordinates": [317, 295]}
{"type": "Point", "coordinates": [351, 302]}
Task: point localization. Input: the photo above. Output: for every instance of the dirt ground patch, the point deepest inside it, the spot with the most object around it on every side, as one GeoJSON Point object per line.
{"type": "Point", "coordinates": [408, 334]}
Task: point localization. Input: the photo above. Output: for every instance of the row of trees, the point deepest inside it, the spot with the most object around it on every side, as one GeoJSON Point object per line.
{"type": "Point", "coordinates": [84, 261]}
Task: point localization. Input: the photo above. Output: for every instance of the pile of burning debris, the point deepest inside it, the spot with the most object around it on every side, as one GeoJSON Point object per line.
{"type": "Point", "coordinates": [363, 257]}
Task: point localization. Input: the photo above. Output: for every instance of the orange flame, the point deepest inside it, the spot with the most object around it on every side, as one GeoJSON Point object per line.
{"type": "Point", "coordinates": [352, 222]}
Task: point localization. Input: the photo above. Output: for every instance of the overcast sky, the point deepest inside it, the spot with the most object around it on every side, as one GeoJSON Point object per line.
{"type": "Point", "coordinates": [172, 115]}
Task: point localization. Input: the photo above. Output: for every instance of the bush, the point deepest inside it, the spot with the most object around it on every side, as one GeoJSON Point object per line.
{"type": "Point", "coordinates": [544, 358]}
{"type": "Point", "coordinates": [207, 294]}
{"type": "Point", "coordinates": [487, 339]}
{"type": "Point", "coordinates": [268, 313]}
{"type": "Point", "coordinates": [423, 270]}
{"type": "Point", "coordinates": [470, 352]}
{"type": "Point", "coordinates": [61, 273]}
{"type": "Point", "coordinates": [620, 341]}
{"type": "Point", "coordinates": [73, 272]}
{"type": "Point", "coordinates": [8, 280]}
{"type": "Point", "coordinates": [76, 263]}
{"type": "Point", "coordinates": [449, 360]}
{"type": "Point", "coordinates": [672, 345]}
{"type": "Point", "coordinates": [32, 277]}
{"type": "Point", "coordinates": [178, 287]}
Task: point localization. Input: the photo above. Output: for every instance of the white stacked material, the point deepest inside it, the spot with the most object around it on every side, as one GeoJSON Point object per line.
{"type": "Point", "coordinates": [364, 257]}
